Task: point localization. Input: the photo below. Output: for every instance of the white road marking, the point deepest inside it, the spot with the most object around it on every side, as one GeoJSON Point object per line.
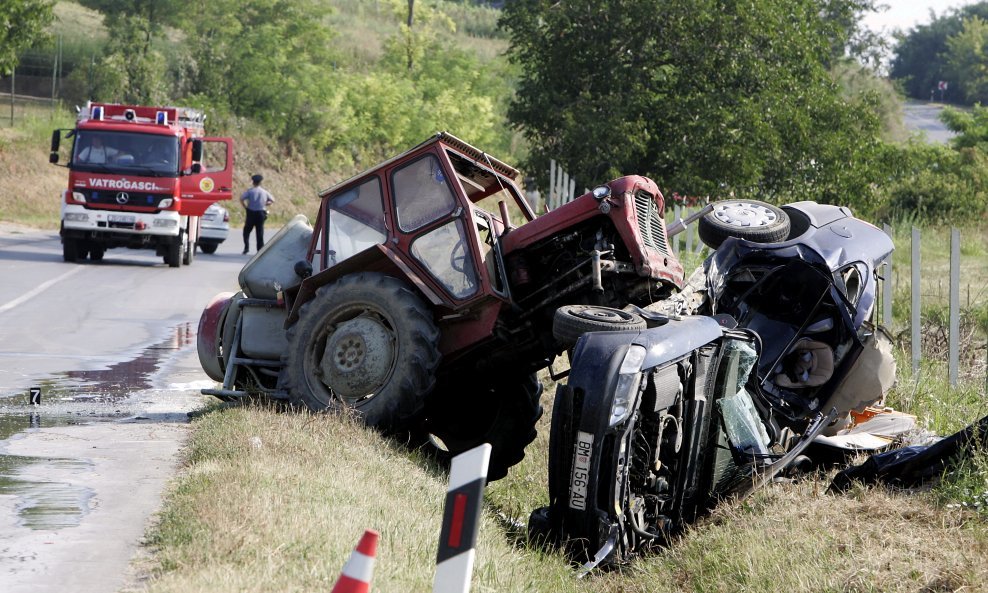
{"type": "Point", "coordinates": [40, 289]}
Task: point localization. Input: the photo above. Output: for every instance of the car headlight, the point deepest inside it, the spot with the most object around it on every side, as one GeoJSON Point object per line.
{"type": "Point", "coordinates": [629, 378]}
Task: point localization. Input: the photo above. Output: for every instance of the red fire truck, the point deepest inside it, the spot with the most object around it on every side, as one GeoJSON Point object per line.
{"type": "Point", "coordinates": [140, 177]}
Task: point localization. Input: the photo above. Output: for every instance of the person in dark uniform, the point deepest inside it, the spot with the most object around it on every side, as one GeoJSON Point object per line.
{"type": "Point", "coordinates": [255, 201]}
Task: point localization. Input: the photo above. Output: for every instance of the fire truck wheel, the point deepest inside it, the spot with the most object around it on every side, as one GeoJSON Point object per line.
{"type": "Point", "coordinates": [750, 220]}
{"type": "Point", "coordinates": [572, 321]}
{"type": "Point", "coordinates": [70, 250]}
{"type": "Point", "coordinates": [503, 414]}
{"type": "Point", "coordinates": [366, 343]}
{"type": "Point", "coordinates": [96, 252]}
{"type": "Point", "coordinates": [174, 256]}
{"type": "Point", "coordinates": [190, 253]}
{"type": "Point", "coordinates": [208, 248]}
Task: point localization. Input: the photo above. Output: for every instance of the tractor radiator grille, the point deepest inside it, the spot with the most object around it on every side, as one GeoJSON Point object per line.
{"type": "Point", "coordinates": [650, 223]}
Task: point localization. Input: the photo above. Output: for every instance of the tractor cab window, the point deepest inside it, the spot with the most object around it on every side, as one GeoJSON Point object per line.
{"type": "Point", "coordinates": [487, 236]}
{"type": "Point", "coordinates": [422, 193]}
{"type": "Point", "coordinates": [445, 251]}
{"type": "Point", "coordinates": [356, 221]}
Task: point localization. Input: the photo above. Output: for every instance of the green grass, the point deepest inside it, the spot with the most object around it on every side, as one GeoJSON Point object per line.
{"type": "Point", "coordinates": [273, 501]}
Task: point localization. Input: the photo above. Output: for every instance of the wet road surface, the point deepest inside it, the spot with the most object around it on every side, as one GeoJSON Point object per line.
{"type": "Point", "coordinates": [110, 349]}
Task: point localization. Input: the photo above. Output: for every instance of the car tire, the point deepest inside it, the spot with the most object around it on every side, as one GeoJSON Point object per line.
{"type": "Point", "coordinates": [366, 343]}
{"type": "Point", "coordinates": [503, 414]}
{"type": "Point", "coordinates": [750, 220]}
{"type": "Point", "coordinates": [572, 321]}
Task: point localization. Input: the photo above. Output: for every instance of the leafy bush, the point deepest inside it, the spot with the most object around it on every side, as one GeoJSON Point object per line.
{"type": "Point", "coordinates": [931, 183]}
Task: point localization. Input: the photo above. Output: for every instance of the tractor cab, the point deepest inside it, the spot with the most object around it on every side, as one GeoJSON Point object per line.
{"type": "Point", "coordinates": [435, 212]}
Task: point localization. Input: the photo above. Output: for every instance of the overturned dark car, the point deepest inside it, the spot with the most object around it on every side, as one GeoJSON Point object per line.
{"type": "Point", "coordinates": [770, 344]}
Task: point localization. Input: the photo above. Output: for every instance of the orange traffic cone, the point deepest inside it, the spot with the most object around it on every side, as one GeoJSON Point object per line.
{"type": "Point", "coordinates": [357, 572]}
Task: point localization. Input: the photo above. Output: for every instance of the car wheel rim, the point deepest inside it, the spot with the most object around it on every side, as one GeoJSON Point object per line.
{"type": "Point", "coordinates": [745, 215]}
{"type": "Point", "coordinates": [600, 314]}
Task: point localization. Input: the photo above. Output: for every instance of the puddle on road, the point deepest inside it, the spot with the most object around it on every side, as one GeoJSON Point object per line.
{"type": "Point", "coordinates": [43, 490]}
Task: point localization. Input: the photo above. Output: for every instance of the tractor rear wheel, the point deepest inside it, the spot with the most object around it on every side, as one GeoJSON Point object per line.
{"type": "Point", "coordinates": [366, 343]}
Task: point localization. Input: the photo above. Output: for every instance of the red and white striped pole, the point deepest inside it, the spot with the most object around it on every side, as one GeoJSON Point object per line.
{"type": "Point", "coordinates": [461, 520]}
{"type": "Point", "coordinates": [358, 570]}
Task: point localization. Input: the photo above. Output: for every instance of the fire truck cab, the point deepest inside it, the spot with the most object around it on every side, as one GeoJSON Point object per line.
{"type": "Point", "coordinates": [139, 177]}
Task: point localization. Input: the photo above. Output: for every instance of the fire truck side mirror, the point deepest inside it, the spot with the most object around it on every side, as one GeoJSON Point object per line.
{"type": "Point", "coordinates": [196, 150]}
{"type": "Point", "coordinates": [196, 168]}
{"type": "Point", "coordinates": [56, 138]}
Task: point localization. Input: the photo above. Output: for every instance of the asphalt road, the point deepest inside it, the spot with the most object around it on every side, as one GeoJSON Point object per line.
{"type": "Point", "coordinates": [925, 118]}
{"type": "Point", "coordinates": [111, 345]}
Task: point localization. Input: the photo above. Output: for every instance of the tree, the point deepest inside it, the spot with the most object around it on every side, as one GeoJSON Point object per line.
{"type": "Point", "coordinates": [710, 97]}
{"type": "Point", "coordinates": [967, 58]}
{"type": "Point", "coordinates": [269, 60]}
{"type": "Point", "coordinates": [920, 61]}
{"type": "Point", "coordinates": [133, 69]}
{"type": "Point", "coordinates": [849, 36]}
{"type": "Point", "coordinates": [22, 23]}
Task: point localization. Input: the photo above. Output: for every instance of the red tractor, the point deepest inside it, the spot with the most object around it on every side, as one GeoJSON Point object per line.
{"type": "Point", "coordinates": [416, 302]}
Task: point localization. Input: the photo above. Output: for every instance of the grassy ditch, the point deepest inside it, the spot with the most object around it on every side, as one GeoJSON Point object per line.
{"type": "Point", "coordinates": [273, 501]}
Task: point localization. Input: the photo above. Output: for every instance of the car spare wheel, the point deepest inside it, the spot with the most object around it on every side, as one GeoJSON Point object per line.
{"type": "Point", "coordinates": [750, 220]}
{"type": "Point", "coordinates": [572, 321]}
{"type": "Point", "coordinates": [366, 343]}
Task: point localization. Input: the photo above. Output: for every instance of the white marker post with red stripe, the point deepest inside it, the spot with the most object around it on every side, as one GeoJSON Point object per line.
{"type": "Point", "coordinates": [461, 520]}
{"type": "Point", "coordinates": [358, 570]}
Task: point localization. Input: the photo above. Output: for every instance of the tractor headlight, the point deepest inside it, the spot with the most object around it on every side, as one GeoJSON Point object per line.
{"type": "Point", "coordinates": [629, 379]}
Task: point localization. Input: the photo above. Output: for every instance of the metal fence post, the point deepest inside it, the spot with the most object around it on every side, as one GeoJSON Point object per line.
{"type": "Point", "coordinates": [677, 212]}
{"type": "Point", "coordinates": [955, 286]}
{"type": "Point", "coordinates": [688, 232]}
{"type": "Point", "coordinates": [915, 312]}
{"type": "Point", "coordinates": [552, 183]}
{"type": "Point", "coordinates": [887, 286]}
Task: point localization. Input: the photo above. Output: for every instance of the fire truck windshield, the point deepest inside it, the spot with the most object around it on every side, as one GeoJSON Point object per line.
{"type": "Point", "coordinates": [152, 155]}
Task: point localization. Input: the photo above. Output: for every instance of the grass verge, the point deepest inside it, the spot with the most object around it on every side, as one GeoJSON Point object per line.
{"type": "Point", "coordinates": [273, 501]}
